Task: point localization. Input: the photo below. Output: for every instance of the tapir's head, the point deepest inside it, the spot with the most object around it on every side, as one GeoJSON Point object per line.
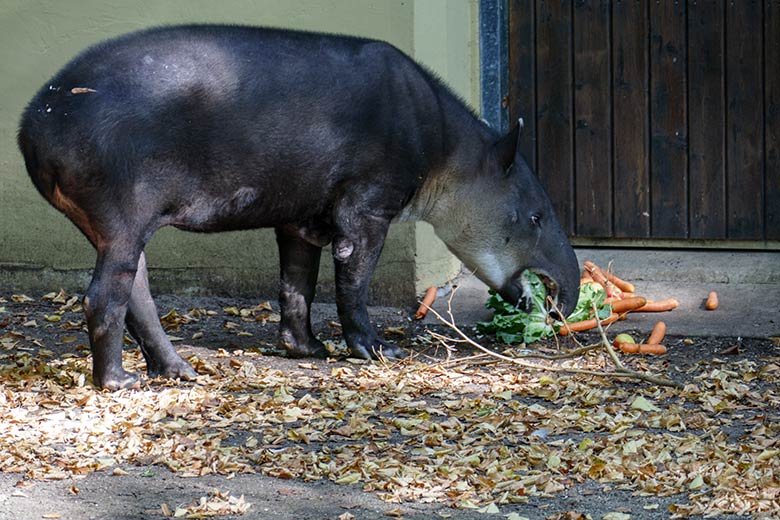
{"type": "Point", "coordinates": [507, 224]}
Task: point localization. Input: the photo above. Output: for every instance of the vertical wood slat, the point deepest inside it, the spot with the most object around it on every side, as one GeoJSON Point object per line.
{"type": "Point", "coordinates": [553, 110]}
{"type": "Point", "coordinates": [707, 116]}
{"type": "Point", "coordinates": [668, 167]}
{"type": "Point", "coordinates": [630, 129]}
{"type": "Point", "coordinates": [772, 115]}
{"type": "Point", "coordinates": [695, 115]}
{"type": "Point", "coordinates": [592, 115]}
{"type": "Point", "coordinates": [744, 120]}
{"type": "Point", "coordinates": [522, 50]}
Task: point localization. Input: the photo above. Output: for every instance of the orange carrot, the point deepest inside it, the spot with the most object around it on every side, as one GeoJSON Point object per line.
{"type": "Point", "coordinates": [427, 301]}
{"type": "Point", "coordinates": [593, 270]}
{"type": "Point", "coordinates": [599, 276]}
{"type": "Point", "coordinates": [596, 273]}
{"type": "Point", "coordinates": [628, 304]}
{"type": "Point", "coordinates": [580, 326]}
{"type": "Point", "coordinates": [661, 306]}
{"type": "Point", "coordinates": [641, 348]}
{"type": "Point", "coordinates": [644, 348]}
{"type": "Point", "coordinates": [712, 301]}
{"type": "Point", "coordinates": [658, 333]}
{"type": "Point", "coordinates": [620, 283]}
{"type": "Point", "coordinates": [586, 278]}
{"type": "Point", "coordinates": [613, 290]}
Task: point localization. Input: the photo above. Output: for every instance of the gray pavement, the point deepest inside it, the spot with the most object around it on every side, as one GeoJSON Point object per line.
{"type": "Point", "coordinates": [747, 283]}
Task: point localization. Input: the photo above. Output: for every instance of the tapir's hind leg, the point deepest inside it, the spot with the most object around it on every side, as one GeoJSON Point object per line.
{"type": "Point", "coordinates": [300, 262]}
{"type": "Point", "coordinates": [119, 295]}
{"type": "Point", "coordinates": [144, 326]}
{"type": "Point", "coordinates": [105, 306]}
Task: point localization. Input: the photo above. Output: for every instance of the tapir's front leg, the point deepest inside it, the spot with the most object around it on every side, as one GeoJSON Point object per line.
{"type": "Point", "coordinates": [356, 249]}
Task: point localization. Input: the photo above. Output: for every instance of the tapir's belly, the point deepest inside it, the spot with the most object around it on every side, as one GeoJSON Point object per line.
{"type": "Point", "coordinates": [249, 208]}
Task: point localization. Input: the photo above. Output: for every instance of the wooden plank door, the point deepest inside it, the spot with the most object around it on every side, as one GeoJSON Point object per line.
{"type": "Point", "coordinates": [651, 119]}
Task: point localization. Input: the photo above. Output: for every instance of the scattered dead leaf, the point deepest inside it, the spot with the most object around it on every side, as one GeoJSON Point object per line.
{"type": "Point", "coordinates": [730, 351]}
{"type": "Point", "coordinates": [466, 435]}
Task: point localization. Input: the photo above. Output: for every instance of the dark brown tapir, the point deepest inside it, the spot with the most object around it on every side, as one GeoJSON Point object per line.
{"type": "Point", "coordinates": [327, 139]}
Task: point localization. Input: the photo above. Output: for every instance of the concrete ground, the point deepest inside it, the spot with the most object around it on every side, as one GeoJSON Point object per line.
{"type": "Point", "coordinates": [747, 283]}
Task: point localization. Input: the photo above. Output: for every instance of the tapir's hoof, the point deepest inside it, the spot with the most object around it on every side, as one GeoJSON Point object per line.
{"type": "Point", "coordinates": [118, 380]}
{"type": "Point", "coordinates": [178, 370]}
{"type": "Point", "coordinates": [312, 348]}
{"type": "Point", "coordinates": [378, 349]}
{"type": "Point", "coordinates": [388, 350]}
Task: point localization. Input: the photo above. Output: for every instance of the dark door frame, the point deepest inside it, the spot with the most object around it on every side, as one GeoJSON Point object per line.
{"type": "Point", "coordinates": [495, 84]}
{"type": "Point", "coordinates": [494, 62]}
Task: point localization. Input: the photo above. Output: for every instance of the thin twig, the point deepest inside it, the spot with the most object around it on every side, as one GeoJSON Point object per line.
{"type": "Point", "coordinates": [620, 372]}
{"type": "Point", "coordinates": [520, 362]}
{"type": "Point", "coordinates": [605, 342]}
{"type": "Point", "coordinates": [621, 369]}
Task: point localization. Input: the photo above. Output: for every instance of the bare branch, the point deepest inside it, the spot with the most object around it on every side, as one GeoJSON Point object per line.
{"type": "Point", "coordinates": [620, 370]}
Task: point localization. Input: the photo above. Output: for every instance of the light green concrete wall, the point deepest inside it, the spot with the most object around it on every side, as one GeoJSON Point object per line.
{"type": "Point", "coordinates": [40, 249]}
{"type": "Point", "coordinates": [446, 41]}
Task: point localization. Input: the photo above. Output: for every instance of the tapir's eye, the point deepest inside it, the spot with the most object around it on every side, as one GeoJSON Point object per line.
{"type": "Point", "coordinates": [536, 219]}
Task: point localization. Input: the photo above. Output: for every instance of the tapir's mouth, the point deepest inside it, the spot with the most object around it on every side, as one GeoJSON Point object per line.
{"type": "Point", "coordinates": [519, 292]}
{"type": "Point", "coordinates": [552, 293]}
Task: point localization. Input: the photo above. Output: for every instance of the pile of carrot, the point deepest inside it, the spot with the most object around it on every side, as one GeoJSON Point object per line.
{"type": "Point", "coordinates": [651, 346]}
{"type": "Point", "coordinates": [621, 295]}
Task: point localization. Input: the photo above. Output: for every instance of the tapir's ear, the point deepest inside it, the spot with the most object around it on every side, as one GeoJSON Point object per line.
{"type": "Point", "coordinates": [506, 147]}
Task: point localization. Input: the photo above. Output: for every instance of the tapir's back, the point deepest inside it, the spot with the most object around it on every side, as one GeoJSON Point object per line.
{"type": "Point", "coordinates": [222, 61]}
{"type": "Point", "coordinates": [228, 71]}
{"type": "Point", "coordinates": [220, 107]}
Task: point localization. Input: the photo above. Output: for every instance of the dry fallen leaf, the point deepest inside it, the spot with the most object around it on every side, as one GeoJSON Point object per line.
{"type": "Point", "coordinates": [463, 435]}
{"type": "Point", "coordinates": [616, 516]}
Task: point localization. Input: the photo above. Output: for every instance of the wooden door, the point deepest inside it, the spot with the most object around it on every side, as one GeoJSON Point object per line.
{"type": "Point", "coordinates": [652, 119]}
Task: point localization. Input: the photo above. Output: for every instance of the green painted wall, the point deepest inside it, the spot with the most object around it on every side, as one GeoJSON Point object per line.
{"type": "Point", "coordinates": [40, 249]}
{"type": "Point", "coordinates": [446, 41]}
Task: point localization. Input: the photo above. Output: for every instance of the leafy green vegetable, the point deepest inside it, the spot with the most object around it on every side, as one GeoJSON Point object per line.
{"type": "Point", "coordinates": [512, 325]}
{"type": "Point", "coordinates": [590, 294]}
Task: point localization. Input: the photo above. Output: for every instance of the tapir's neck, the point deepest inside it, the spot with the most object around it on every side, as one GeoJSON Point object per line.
{"type": "Point", "coordinates": [439, 198]}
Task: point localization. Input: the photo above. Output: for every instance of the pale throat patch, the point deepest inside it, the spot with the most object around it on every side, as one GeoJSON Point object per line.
{"type": "Point", "coordinates": [489, 269]}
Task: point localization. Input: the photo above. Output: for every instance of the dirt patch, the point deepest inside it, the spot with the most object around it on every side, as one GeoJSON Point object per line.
{"type": "Point", "coordinates": [419, 439]}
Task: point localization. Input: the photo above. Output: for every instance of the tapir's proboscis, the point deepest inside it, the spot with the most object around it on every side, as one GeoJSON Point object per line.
{"type": "Point", "coordinates": [327, 139]}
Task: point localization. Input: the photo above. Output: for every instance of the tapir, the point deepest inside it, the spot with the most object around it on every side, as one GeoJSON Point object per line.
{"type": "Point", "coordinates": [327, 139]}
